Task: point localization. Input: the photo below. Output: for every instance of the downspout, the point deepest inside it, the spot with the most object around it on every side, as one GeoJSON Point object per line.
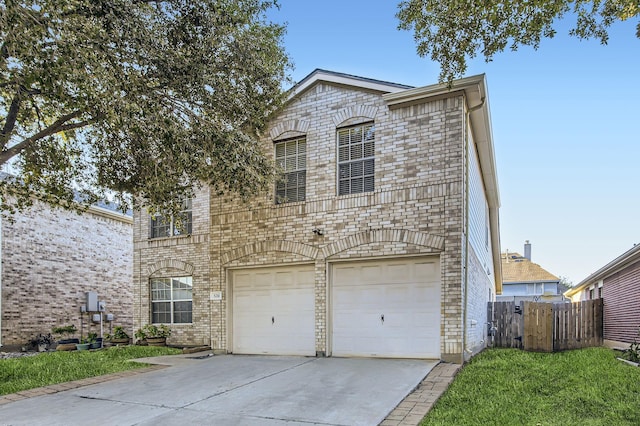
{"type": "Point", "coordinates": [1, 269]}
{"type": "Point", "coordinates": [466, 228]}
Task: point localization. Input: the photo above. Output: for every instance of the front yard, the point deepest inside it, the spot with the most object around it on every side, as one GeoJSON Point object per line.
{"type": "Point", "coordinates": [513, 387]}
{"type": "Point", "coordinates": [56, 367]}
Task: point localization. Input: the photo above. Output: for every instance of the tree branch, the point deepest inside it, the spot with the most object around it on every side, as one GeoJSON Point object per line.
{"type": "Point", "coordinates": [73, 126]}
{"type": "Point", "coordinates": [56, 127]}
{"type": "Point", "coordinates": [10, 121]}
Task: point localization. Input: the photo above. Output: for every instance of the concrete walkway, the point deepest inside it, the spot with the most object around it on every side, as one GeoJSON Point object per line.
{"type": "Point", "coordinates": [240, 390]}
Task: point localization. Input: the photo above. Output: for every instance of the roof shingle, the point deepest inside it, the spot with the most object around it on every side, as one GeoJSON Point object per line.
{"type": "Point", "coordinates": [516, 268]}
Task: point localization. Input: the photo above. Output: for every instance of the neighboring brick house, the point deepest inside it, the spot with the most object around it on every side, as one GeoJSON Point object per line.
{"type": "Point", "coordinates": [380, 240]}
{"type": "Point", "coordinates": [524, 280]}
{"type": "Point", "coordinates": [618, 284]}
{"type": "Point", "coordinates": [50, 258]}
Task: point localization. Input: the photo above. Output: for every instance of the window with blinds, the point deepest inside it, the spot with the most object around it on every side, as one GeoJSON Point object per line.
{"type": "Point", "coordinates": [356, 163]}
{"type": "Point", "coordinates": [291, 158]}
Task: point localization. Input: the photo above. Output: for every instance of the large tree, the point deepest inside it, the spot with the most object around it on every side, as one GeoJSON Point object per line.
{"type": "Point", "coordinates": [140, 97]}
{"type": "Point", "coordinates": [451, 31]}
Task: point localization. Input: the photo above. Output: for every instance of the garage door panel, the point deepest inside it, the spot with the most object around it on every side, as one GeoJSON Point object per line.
{"type": "Point", "coordinates": [405, 291]}
{"type": "Point", "coordinates": [273, 310]}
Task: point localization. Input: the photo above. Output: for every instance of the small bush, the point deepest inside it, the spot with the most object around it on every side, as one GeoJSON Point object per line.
{"type": "Point", "coordinates": [633, 353]}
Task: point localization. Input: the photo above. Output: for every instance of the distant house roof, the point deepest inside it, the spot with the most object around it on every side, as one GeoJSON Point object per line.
{"type": "Point", "coordinates": [519, 269]}
{"type": "Point", "coordinates": [102, 207]}
{"type": "Point", "coordinates": [625, 259]}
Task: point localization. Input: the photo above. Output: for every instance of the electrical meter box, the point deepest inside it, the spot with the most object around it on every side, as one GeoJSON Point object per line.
{"type": "Point", "coordinates": [92, 301]}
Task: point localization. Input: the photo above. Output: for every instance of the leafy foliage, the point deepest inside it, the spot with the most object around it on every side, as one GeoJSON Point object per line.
{"type": "Point", "coordinates": [564, 284]}
{"type": "Point", "coordinates": [118, 333]}
{"type": "Point", "coordinates": [146, 98]}
{"type": "Point", "coordinates": [451, 31]}
{"type": "Point", "coordinates": [45, 340]}
{"type": "Point", "coordinates": [633, 352]}
{"type": "Point", "coordinates": [152, 330]}
{"type": "Point", "coordinates": [65, 330]}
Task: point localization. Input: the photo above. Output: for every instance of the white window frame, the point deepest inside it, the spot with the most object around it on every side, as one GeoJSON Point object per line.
{"type": "Point", "coordinates": [291, 158]}
{"type": "Point", "coordinates": [159, 222]}
{"type": "Point", "coordinates": [358, 152]}
{"type": "Point", "coordinates": [171, 300]}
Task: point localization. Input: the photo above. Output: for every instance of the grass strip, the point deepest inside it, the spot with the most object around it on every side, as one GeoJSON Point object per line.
{"type": "Point", "coordinates": [513, 387]}
{"type": "Point", "coordinates": [49, 368]}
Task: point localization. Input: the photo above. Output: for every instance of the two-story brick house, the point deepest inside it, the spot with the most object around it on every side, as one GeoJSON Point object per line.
{"type": "Point", "coordinates": [381, 239]}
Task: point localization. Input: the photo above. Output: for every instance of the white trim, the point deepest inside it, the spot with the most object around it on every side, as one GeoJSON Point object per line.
{"type": "Point", "coordinates": [110, 214]}
{"type": "Point", "coordinates": [345, 80]}
{"type": "Point", "coordinates": [350, 161]}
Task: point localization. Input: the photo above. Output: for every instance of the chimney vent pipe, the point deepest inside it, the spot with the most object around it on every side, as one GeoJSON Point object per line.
{"type": "Point", "coordinates": [527, 250]}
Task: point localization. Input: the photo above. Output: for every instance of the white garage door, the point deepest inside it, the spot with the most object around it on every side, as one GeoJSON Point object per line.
{"type": "Point", "coordinates": [273, 310]}
{"type": "Point", "coordinates": [386, 308]}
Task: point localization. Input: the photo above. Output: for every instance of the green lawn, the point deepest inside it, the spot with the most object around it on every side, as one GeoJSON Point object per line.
{"type": "Point", "coordinates": [513, 387]}
{"type": "Point", "coordinates": [56, 367]}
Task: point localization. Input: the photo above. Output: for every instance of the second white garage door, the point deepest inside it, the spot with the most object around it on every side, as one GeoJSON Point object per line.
{"type": "Point", "coordinates": [273, 310]}
{"type": "Point", "coordinates": [386, 308]}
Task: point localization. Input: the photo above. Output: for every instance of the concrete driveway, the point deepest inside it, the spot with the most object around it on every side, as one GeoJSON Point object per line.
{"type": "Point", "coordinates": [233, 390]}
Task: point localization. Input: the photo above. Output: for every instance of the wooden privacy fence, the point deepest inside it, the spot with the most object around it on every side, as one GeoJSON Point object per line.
{"type": "Point", "coordinates": [546, 327]}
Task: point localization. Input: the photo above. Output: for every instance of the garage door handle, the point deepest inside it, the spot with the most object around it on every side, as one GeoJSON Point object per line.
{"type": "Point", "coordinates": [273, 320]}
{"type": "Point", "coordinates": [382, 318]}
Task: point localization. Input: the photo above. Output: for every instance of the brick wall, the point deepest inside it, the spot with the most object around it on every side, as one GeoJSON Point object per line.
{"type": "Point", "coordinates": [185, 255]}
{"type": "Point", "coordinates": [417, 207]}
{"type": "Point", "coordinates": [51, 258]}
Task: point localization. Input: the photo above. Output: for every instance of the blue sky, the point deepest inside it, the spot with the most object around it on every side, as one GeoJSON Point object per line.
{"type": "Point", "coordinates": [565, 123]}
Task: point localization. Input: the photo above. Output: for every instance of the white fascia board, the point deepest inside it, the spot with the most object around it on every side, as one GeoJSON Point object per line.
{"type": "Point", "coordinates": [344, 80]}
{"type": "Point", "coordinates": [627, 258]}
{"type": "Point", "coordinates": [110, 214]}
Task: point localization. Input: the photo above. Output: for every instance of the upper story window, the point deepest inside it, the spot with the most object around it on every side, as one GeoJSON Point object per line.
{"type": "Point", "coordinates": [168, 226]}
{"type": "Point", "coordinates": [291, 157]}
{"type": "Point", "coordinates": [171, 300]}
{"type": "Point", "coordinates": [356, 164]}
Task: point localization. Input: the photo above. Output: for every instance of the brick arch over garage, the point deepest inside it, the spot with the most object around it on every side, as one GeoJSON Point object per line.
{"type": "Point", "coordinates": [384, 236]}
{"type": "Point", "coordinates": [172, 264]}
{"type": "Point", "coordinates": [305, 250]}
